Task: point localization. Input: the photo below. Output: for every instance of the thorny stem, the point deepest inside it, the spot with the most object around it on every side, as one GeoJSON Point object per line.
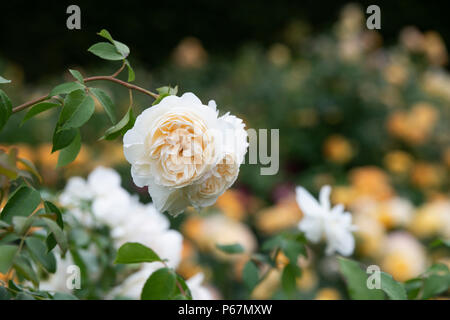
{"type": "Point", "coordinates": [111, 78]}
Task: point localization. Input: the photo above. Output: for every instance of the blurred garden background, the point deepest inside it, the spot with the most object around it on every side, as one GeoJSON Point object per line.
{"type": "Point", "coordinates": [366, 111]}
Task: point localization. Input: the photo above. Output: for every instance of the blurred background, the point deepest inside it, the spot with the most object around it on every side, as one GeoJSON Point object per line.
{"type": "Point", "coordinates": [367, 112]}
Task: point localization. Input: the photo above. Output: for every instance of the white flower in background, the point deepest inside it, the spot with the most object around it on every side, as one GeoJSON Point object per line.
{"type": "Point", "coordinates": [184, 153]}
{"type": "Point", "coordinates": [198, 291]}
{"type": "Point", "coordinates": [320, 221]}
{"type": "Point", "coordinates": [129, 220]}
{"type": "Point", "coordinates": [147, 226]}
{"type": "Point", "coordinates": [132, 286]}
{"type": "Point", "coordinates": [57, 282]}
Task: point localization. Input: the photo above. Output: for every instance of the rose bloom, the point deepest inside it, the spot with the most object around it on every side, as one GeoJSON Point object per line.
{"type": "Point", "coordinates": [184, 153]}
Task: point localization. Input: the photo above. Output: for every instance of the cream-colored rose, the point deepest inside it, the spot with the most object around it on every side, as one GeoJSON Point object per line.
{"type": "Point", "coordinates": [225, 173]}
{"type": "Point", "coordinates": [184, 153]}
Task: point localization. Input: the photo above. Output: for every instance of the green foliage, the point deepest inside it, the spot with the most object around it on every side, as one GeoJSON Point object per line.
{"type": "Point", "coordinates": [66, 88]}
{"type": "Point", "coordinates": [60, 237]}
{"type": "Point", "coordinates": [288, 278]}
{"type": "Point", "coordinates": [70, 152]}
{"type": "Point", "coordinates": [62, 138]}
{"type": "Point", "coordinates": [135, 253]}
{"type": "Point", "coordinates": [356, 280]}
{"type": "Point", "coordinates": [37, 109]}
{"type": "Point", "coordinates": [39, 252]}
{"type": "Point", "coordinates": [77, 110]}
{"type": "Point", "coordinates": [105, 101]}
{"type": "Point", "coordinates": [436, 280]}
{"type": "Point", "coordinates": [77, 75]}
{"type": "Point", "coordinates": [120, 47]}
{"type": "Point", "coordinates": [7, 252]}
{"type": "Point", "coordinates": [395, 290]}
{"type": "Point", "coordinates": [433, 282]}
{"type": "Point", "coordinates": [250, 275]}
{"type": "Point", "coordinates": [131, 74]}
{"type": "Point", "coordinates": [21, 203]}
{"type": "Point", "coordinates": [160, 285]}
{"type": "Point", "coordinates": [5, 108]}
{"type": "Point", "coordinates": [164, 92]}
{"type": "Point", "coordinates": [230, 248]}
{"type": "Point", "coordinates": [106, 51]}
{"type": "Point", "coordinates": [118, 130]}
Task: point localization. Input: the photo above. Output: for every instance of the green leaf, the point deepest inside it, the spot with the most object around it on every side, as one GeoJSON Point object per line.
{"type": "Point", "coordinates": [133, 252]}
{"type": "Point", "coordinates": [62, 138]}
{"type": "Point", "coordinates": [57, 232]}
{"type": "Point", "coordinates": [165, 92]}
{"type": "Point", "coordinates": [250, 275]}
{"type": "Point", "coordinates": [121, 48]}
{"type": "Point", "coordinates": [64, 296]}
{"type": "Point", "coordinates": [413, 287]}
{"type": "Point", "coordinates": [5, 109]}
{"type": "Point", "coordinates": [21, 203]}
{"type": "Point", "coordinates": [434, 285]}
{"type": "Point", "coordinates": [106, 51]}
{"type": "Point", "coordinates": [160, 285]}
{"type": "Point", "coordinates": [440, 242]}
{"type": "Point", "coordinates": [356, 280]}
{"type": "Point", "coordinates": [292, 249]}
{"type": "Point", "coordinates": [289, 278]}
{"type": "Point", "coordinates": [37, 109]}
{"type": "Point", "coordinates": [78, 109]}
{"type": "Point", "coordinates": [105, 34]}
{"type": "Point", "coordinates": [272, 243]}
{"type": "Point", "coordinates": [22, 224]}
{"type": "Point", "coordinates": [30, 167]}
{"type": "Point", "coordinates": [394, 289]}
{"type": "Point", "coordinates": [51, 208]}
{"type": "Point", "coordinates": [131, 74]}
{"type": "Point", "coordinates": [39, 252]}
{"type": "Point", "coordinates": [50, 241]}
{"type": "Point", "coordinates": [7, 253]}
{"type": "Point", "coordinates": [3, 80]}
{"type": "Point", "coordinates": [24, 267]}
{"type": "Point", "coordinates": [71, 103]}
{"type": "Point", "coordinates": [66, 88]}
{"type": "Point", "coordinates": [125, 124]}
{"type": "Point", "coordinates": [69, 153]}
{"type": "Point", "coordinates": [24, 296]}
{"type": "Point", "coordinates": [105, 101]}
{"type": "Point", "coordinates": [168, 90]}
{"type": "Point", "coordinates": [77, 75]}
{"type": "Point", "coordinates": [187, 292]}
{"type": "Point", "coordinates": [230, 248]}
{"type": "Point", "coordinates": [4, 293]}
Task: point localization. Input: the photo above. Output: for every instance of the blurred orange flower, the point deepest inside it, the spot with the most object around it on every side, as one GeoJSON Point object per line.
{"type": "Point", "coordinates": [338, 149]}
{"type": "Point", "coordinates": [372, 182]}
{"type": "Point", "coordinates": [414, 126]}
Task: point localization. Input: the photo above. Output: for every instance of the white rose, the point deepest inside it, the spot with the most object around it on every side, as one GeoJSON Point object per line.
{"type": "Point", "coordinates": [225, 172]}
{"type": "Point", "coordinates": [179, 150]}
{"type": "Point", "coordinates": [147, 226]}
{"type": "Point", "coordinates": [320, 220]}
{"type": "Point", "coordinates": [198, 290]}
